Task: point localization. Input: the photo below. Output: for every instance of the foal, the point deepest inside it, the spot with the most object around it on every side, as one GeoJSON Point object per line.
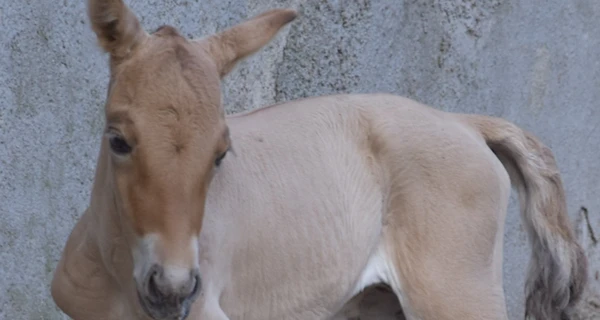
{"type": "Point", "coordinates": [323, 197]}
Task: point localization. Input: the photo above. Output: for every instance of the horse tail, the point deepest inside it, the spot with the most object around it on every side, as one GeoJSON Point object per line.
{"type": "Point", "coordinates": [558, 267]}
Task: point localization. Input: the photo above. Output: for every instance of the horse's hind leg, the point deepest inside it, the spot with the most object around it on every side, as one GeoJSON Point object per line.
{"type": "Point", "coordinates": [436, 290]}
{"type": "Point", "coordinates": [448, 265]}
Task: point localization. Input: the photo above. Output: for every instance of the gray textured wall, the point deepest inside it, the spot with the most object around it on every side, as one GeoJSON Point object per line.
{"type": "Point", "coordinates": [530, 61]}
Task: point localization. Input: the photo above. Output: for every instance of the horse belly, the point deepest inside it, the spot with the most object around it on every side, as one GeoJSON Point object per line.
{"type": "Point", "coordinates": [306, 268]}
{"type": "Point", "coordinates": [311, 277]}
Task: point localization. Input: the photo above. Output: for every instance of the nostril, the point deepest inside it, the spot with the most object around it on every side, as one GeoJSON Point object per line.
{"type": "Point", "coordinates": [153, 287]}
{"type": "Point", "coordinates": [197, 285]}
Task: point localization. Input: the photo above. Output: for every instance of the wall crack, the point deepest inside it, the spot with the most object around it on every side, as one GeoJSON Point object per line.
{"type": "Point", "coordinates": [586, 217]}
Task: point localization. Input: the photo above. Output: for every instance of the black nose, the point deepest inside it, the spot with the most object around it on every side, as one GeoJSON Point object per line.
{"type": "Point", "coordinates": [161, 290]}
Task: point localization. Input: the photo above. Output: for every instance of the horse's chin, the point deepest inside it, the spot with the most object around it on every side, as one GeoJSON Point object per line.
{"type": "Point", "coordinates": [157, 311]}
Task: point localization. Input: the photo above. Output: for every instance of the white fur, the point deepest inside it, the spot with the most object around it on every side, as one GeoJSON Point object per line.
{"type": "Point", "coordinates": [179, 275]}
{"type": "Point", "coordinates": [144, 256]}
{"type": "Point", "coordinates": [376, 271]}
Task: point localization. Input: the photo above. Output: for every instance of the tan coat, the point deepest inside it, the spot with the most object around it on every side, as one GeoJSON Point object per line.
{"type": "Point", "coordinates": [317, 199]}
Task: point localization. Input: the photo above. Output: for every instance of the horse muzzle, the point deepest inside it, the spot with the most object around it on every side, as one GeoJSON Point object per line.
{"type": "Point", "coordinates": [163, 298]}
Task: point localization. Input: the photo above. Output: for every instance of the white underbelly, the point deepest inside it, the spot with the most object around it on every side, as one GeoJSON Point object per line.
{"type": "Point", "coordinates": [379, 269]}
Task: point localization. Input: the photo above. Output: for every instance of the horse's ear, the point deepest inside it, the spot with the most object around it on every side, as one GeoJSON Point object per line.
{"type": "Point", "coordinates": [117, 28]}
{"type": "Point", "coordinates": [234, 44]}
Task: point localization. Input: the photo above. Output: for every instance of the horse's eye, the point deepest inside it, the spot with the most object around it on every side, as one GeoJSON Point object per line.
{"type": "Point", "coordinates": [119, 145]}
{"type": "Point", "coordinates": [220, 158]}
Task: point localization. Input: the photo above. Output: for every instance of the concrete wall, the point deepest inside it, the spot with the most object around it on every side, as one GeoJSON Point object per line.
{"type": "Point", "coordinates": [530, 61]}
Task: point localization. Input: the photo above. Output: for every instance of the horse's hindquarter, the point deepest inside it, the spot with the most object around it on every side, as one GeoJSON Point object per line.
{"type": "Point", "coordinates": [297, 213]}
{"type": "Point", "coordinates": [444, 222]}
